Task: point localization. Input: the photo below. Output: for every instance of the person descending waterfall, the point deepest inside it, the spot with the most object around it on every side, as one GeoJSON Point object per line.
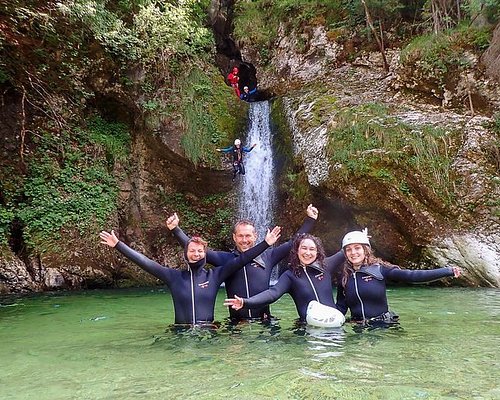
{"type": "Point", "coordinates": [308, 280]}
{"type": "Point", "coordinates": [234, 79]}
{"type": "Point", "coordinates": [194, 289]}
{"type": "Point", "coordinates": [361, 281]}
{"type": "Point", "coordinates": [237, 151]}
{"type": "Point", "coordinates": [255, 276]}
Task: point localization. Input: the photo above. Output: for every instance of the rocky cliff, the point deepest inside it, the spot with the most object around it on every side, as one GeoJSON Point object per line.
{"type": "Point", "coordinates": [413, 221]}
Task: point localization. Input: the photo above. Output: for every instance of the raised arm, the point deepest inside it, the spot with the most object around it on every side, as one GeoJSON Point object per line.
{"type": "Point", "coordinates": [335, 261]}
{"type": "Point", "coordinates": [215, 258]}
{"type": "Point", "coordinates": [244, 258]}
{"type": "Point", "coordinates": [249, 149]}
{"type": "Point", "coordinates": [173, 226]}
{"type": "Point", "coordinates": [148, 265]}
{"type": "Point", "coordinates": [279, 253]}
{"type": "Point", "coordinates": [406, 275]}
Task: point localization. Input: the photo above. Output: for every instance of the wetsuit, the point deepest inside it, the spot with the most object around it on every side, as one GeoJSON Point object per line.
{"type": "Point", "coordinates": [237, 153]}
{"type": "Point", "coordinates": [254, 277]}
{"type": "Point", "coordinates": [193, 290]}
{"type": "Point", "coordinates": [249, 97]}
{"type": "Point", "coordinates": [365, 291]}
{"type": "Point", "coordinates": [314, 282]}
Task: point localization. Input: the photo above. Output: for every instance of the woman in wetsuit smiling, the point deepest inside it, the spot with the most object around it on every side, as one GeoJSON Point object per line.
{"type": "Point", "coordinates": [308, 278]}
{"type": "Point", "coordinates": [194, 289]}
{"type": "Point", "coordinates": [361, 282]}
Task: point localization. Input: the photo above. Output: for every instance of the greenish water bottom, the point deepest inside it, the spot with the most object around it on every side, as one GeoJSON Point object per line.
{"type": "Point", "coordinates": [118, 345]}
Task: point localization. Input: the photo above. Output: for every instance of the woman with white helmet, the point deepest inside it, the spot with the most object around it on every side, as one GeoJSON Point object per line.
{"type": "Point", "coordinates": [308, 280]}
{"type": "Point", "coordinates": [361, 281]}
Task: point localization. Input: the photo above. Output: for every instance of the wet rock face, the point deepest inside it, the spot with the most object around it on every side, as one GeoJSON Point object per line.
{"type": "Point", "coordinates": [477, 254]}
{"type": "Point", "coordinates": [14, 276]}
{"type": "Point", "coordinates": [221, 15]}
{"type": "Point", "coordinates": [408, 230]}
{"type": "Point", "coordinates": [417, 229]}
{"type": "Point", "coordinates": [305, 56]}
{"type": "Point", "coordinates": [309, 144]}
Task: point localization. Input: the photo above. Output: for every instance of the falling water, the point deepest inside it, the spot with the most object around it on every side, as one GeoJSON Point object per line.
{"type": "Point", "coordinates": [257, 194]}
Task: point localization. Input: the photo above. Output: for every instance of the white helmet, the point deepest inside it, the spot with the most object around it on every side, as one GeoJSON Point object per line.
{"type": "Point", "coordinates": [360, 237]}
{"type": "Point", "coordinates": [323, 316]}
{"type": "Point", "coordinates": [237, 142]}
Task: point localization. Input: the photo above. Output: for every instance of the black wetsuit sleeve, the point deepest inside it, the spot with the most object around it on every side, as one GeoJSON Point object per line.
{"type": "Point", "coordinates": [307, 226]}
{"type": "Point", "coordinates": [334, 262]}
{"type": "Point", "coordinates": [219, 258]}
{"type": "Point", "coordinates": [181, 237]}
{"type": "Point", "coordinates": [243, 259]}
{"type": "Point", "coordinates": [145, 263]}
{"type": "Point", "coordinates": [341, 303]}
{"type": "Point", "coordinates": [406, 275]}
{"type": "Point", "coordinates": [270, 295]}
{"type": "Point", "coordinates": [280, 252]}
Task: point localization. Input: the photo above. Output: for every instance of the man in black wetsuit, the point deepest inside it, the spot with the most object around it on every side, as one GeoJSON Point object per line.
{"type": "Point", "coordinates": [194, 289]}
{"type": "Point", "coordinates": [254, 277]}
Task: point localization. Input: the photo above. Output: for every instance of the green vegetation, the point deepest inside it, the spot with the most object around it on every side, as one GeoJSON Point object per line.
{"type": "Point", "coordinates": [257, 22]}
{"type": "Point", "coordinates": [210, 217]}
{"type": "Point", "coordinates": [438, 55]}
{"type": "Point", "coordinates": [157, 32]}
{"type": "Point", "coordinates": [211, 115]}
{"type": "Point", "coordinates": [68, 185]}
{"type": "Point", "coordinates": [97, 54]}
{"type": "Point", "coordinates": [367, 141]}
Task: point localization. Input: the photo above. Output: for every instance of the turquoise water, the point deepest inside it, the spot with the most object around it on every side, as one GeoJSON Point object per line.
{"type": "Point", "coordinates": [117, 345]}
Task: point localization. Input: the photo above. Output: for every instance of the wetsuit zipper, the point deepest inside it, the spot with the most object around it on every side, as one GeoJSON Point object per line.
{"type": "Point", "coordinates": [192, 296]}
{"type": "Point", "coordinates": [313, 288]}
{"type": "Point", "coordinates": [357, 294]}
{"type": "Point", "coordinates": [248, 290]}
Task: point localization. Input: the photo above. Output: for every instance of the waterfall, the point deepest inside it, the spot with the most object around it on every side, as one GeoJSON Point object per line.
{"type": "Point", "coordinates": [257, 191]}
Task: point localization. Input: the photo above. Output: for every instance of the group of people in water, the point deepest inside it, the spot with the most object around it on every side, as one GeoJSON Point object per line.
{"type": "Point", "coordinates": [359, 277]}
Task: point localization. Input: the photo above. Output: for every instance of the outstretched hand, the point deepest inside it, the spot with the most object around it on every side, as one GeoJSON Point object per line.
{"type": "Point", "coordinates": [236, 303]}
{"type": "Point", "coordinates": [108, 238]}
{"type": "Point", "coordinates": [312, 211]}
{"type": "Point", "coordinates": [173, 221]}
{"type": "Point", "coordinates": [457, 271]}
{"type": "Point", "coordinates": [273, 236]}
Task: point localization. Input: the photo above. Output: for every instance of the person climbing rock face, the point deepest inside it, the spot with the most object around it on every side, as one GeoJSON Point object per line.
{"type": "Point", "coordinates": [237, 151]}
{"type": "Point", "coordinates": [234, 79]}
